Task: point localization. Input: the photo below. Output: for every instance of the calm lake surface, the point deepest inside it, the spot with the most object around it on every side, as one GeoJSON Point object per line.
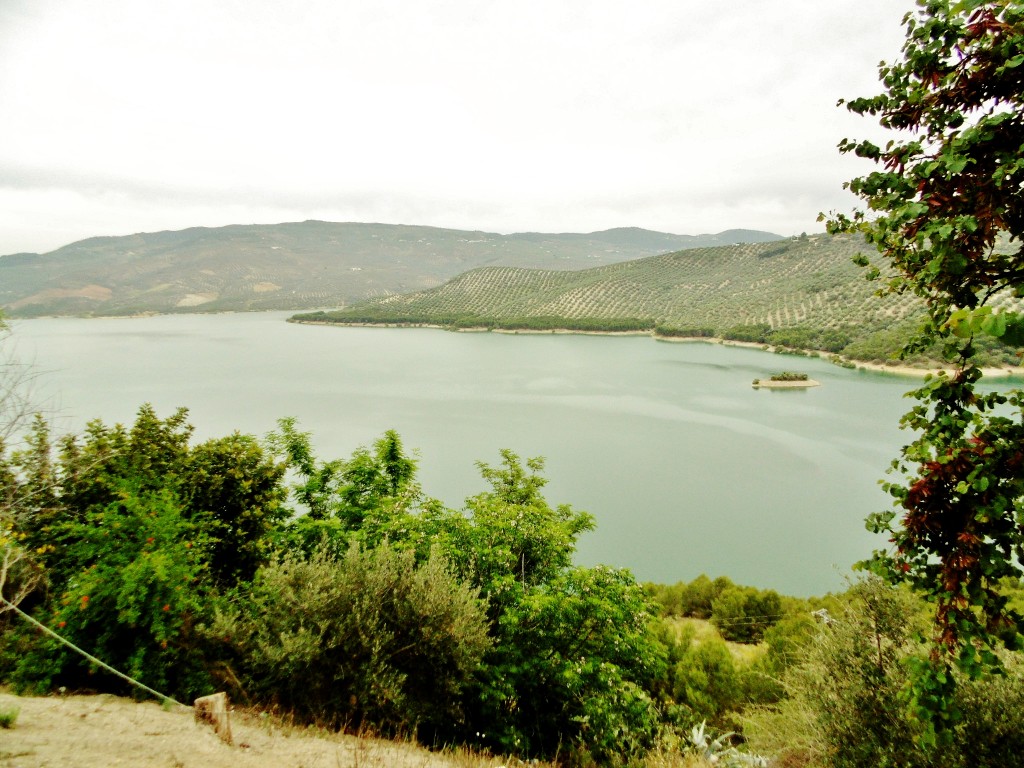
{"type": "Point", "coordinates": [686, 468]}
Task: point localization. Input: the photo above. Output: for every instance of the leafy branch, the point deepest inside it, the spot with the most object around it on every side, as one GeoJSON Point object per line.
{"type": "Point", "coordinates": [945, 214]}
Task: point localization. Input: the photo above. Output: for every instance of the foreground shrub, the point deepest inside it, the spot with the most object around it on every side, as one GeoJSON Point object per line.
{"type": "Point", "coordinates": [572, 668]}
{"type": "Point", "coordinates": [368, 638]}
{"type": "Point", "coordinates": [132, 595]}
{"type": "Point", "coordinates": [847, 707]}
{"type": "Point", "coordinates": [574, 654]}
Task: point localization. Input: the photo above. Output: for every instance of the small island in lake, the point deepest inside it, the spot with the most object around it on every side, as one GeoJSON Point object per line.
{"type": "Point", "coordinates": [787, 380]}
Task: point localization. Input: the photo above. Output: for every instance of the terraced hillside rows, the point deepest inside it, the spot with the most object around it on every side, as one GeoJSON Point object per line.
{"type": "Point", "coordinates": [802, 293]}
{"type": "Point", "coordinates": [295, 266]}
{"type": "Point", "coordinates": [806, 281]}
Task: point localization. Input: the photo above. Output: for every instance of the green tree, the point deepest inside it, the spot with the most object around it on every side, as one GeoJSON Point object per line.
{"type": "Point", "coordinates": [946, 213]}
{"type": "Point", "coordinates": [318, 482]}
{"type": "Point", "coordinates": [700, 594]}
{"type": "Point", "coordinates": [27, 493]}
{"type": "Point", "coordinates": [20, 572]}
{"type": "Point", "coordinates": [515, 537]}
{"type": "Point", "coordinates": [136, 530]}
{"type": "Point", "coordinates": [131, 591]}
{"type": "Point", "coordinates": [234, 492]}
{"type": "Point", "coordinates": [367, 497]}
{"type": "Point", "coordinates": [574, 655]}
{"type": "Point", "coordinates": [843, 706]}
{"type": "Point", "coordinates": [785, 644]}
{"type": "Point", "coordinates": [228, 488]}
{"type": "Point", "coordinates": [573, 665]}
{"type": "Point", "coordinates": [742, 614]}
{"type": "Point", "coordinates": [377, 481]}
{"type": "Point", "coordinates": [18, 401]}
{"type": "Point", "coordinates": [152, 452]}
{"type": "Point", "coordinates": [706, 680]}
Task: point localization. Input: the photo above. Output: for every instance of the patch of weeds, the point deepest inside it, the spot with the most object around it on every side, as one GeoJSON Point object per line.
{"type": "Point", "coordinates": [8, 717]}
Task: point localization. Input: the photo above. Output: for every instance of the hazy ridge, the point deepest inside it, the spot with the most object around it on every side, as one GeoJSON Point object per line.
{"type": "Point", "coordinates": [303, 265]}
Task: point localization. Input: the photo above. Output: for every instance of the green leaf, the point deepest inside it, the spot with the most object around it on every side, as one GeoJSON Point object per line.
{"type": "Point", "coordinates": [959, 323]}
{"type": "Point", "coordinates": [994, 325]}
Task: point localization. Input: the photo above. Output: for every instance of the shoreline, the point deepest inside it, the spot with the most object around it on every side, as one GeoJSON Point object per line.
{"type": "Point", "coordinates": [911, 371]}
{"type": "Point", "coordinates": [895, 369]}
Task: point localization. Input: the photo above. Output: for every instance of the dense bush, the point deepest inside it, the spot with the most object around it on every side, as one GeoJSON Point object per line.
{"type": "Point", "coordinates": [232, 491]}
{"type": "Point", "coordinates": [370, 637]}
{"type": "Point", "coordinates": [741, 614]}
{"type": "Point", "coordinates": [991, 733]}
{"type": "Point", "coordinates": [574, 655]}
{"type": "Point", "coordinates": [135, 530]}
{"type": "Point", "coordinates": [846, 703]}
{"type": "Point", "coordinates": [809, 338]}
{"type": "Point", "coordinates": [229, 489]}
{"type": "Point", "coordinates": [594, 324]}
{"type": "Point", "coordinates": [882, 345]}
{"type": "Point", "coordinates": [334, 590]}
{"type": "Point", "coordinates": [132, 592]}
{"type": "Point", "coordinates": [784, 647]}
{"type": "Point", "coordinates": [706, 681]}
{"type": "Point", "coordinates": [572, 668]}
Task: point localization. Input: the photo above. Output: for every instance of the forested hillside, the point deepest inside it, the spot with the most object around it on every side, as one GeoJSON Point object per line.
{"type": "Point", "coordinates": [312, 264]}
{"type": "Point", "coordinates": [787, 283]}
{"type": "Point", "coordinates": [804, 292]}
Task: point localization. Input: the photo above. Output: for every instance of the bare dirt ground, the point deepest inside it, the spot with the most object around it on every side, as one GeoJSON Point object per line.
{"type": "Point", "coordinates": [106, 731]}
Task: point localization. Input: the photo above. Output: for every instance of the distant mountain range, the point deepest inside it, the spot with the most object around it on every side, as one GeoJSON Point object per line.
{"type": "Point", "coordinates": [307, 265]}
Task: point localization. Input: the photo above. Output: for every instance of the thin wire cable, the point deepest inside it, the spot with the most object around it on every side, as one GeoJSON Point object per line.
{"type": "Point", "coordinates": [89, 656]}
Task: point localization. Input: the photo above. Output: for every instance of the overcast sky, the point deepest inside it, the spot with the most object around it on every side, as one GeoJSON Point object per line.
{"type": "Point", "coordinates": [685, 116]}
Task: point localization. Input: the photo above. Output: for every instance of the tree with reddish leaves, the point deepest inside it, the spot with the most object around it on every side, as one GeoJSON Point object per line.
{"type": "Point", "coordinates": [945, 212]}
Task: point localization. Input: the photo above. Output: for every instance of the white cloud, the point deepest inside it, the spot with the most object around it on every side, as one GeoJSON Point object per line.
{"type": "Point", "coordinates": [556, 115]}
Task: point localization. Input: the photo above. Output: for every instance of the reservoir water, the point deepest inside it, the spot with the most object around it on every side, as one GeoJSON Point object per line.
{"type": "Point", "coordinates": [686, 468]}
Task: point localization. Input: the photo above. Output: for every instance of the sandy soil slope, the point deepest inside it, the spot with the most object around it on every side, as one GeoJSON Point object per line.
{"type": "Point", "coordinates": [106, 731]}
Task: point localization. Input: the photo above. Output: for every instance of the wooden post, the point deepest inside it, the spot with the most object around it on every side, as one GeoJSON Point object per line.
{"type": "Point", "coordinates": [213, 709]}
